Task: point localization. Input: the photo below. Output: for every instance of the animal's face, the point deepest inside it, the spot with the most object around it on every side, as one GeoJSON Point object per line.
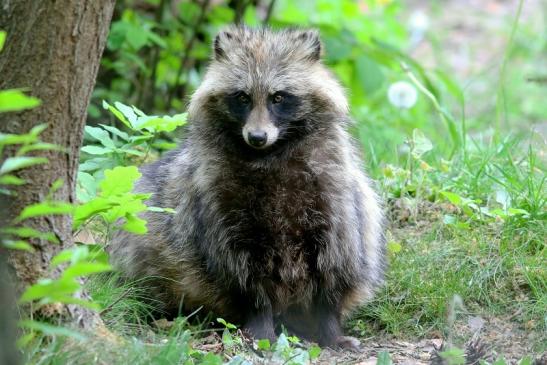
{"type": "Point", "coordinates": [264, 117]}
{"type": "Point", "coordinates": [265, 88]}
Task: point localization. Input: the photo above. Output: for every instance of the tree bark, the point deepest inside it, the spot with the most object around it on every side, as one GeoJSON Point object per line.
{"type": "Point", "coordinates": [53, 49]}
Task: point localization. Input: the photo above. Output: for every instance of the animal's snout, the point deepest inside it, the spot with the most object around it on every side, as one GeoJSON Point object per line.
{"type": "Point", "coordinates": [257, 138]}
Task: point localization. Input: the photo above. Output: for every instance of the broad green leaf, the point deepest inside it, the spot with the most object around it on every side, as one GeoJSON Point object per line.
{"type": "Point", "coordinates": [18, 245]}
{"type": "Point", "coordinates": [115, 131]}
{"type": "Point", "coordinates": [45, 208]}
{"type": "Point", "coordinates": [27, 232]}
{"type": "Point", "coordinates": [6, 139]}
{"type": "Point", "coordinates": [38, 129]}
{"type": "Point", "coordinates": [452, 197]}
{"type": "Point", "coordinates": [15, 100]}
{"type": "Point", "coordinates": [128, 112]}
{"type": "Point", "coordinates": [134, 225]}
{"type": "Point", "coordinates": [100, 135]}
{"type": "Point", "coordinates": [74, 254]}
{"type": "Point", "coordinates": [20, 162]}
{"type": "Point", "coordinates": [85, 211]}
{"type": "Point", "coordinates": [119, 180]}
{"type": "Point", "coordinates": [314, 352]}
{"type": "Point", "coordinates": [117, 114]}
{"type": "Point", "coordinates": [131, 151]}
{"type": "Point", "coordinates": [84, 269]}
{"type": "Point", "coordinates": [51, 330]}
{"type": "Point", "coordinates": [46, 288]}
{"type": "Point", "coordinates": [264, 344]}
{"type": "Point", "coordinates": [40, 146]}
{"type": "Point", "coordinates": [96, 150]}
{"type": "Point", "coordinates": [11, 180]}
{"type": "Point", "coordinates": [161, 124]}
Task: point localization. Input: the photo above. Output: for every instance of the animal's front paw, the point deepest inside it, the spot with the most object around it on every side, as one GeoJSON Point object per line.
{"type": "Point", "coordinates": [348, 343]}
{"type": "Point", "coordinates": [259, 332]}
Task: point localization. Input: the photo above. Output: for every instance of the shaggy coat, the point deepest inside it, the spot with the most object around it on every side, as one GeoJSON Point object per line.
{"type": "Point", "coordinates": [280, 229]}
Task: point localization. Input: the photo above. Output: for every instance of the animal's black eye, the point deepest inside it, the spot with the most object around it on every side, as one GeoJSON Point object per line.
{"type": "Point", "coordinates": [243, 98]}
{"type": "Point", "coordinates": [277, 98]}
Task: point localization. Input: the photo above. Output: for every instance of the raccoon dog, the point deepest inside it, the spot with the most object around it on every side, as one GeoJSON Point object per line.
{"type": "Point", "coordinates": [276, 222]}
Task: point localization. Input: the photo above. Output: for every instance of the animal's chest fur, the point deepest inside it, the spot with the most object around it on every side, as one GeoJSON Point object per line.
{"type": "Point", "coordinates": [279, 218]}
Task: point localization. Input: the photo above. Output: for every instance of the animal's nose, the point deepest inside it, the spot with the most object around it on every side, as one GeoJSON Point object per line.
{"type": "Point", "coordinates": [257, 138]}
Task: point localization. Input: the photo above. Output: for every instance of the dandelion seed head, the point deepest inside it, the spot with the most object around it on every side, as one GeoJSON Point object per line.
{"type": "Point", "coordinates": [402, 94]}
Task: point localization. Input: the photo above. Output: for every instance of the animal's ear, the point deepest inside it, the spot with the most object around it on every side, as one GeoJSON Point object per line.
{"type": "Point", "coordinates": [220, 43]}
{"type": "Point", "coordinates": [311, 44]}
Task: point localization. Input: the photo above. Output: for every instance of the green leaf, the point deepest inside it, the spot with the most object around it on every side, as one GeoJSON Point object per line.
{"type": "Point", "coordinates": [17, 245]}
{"type": "Point", "coordinates": [314, 352]}
{"type": "Point", "coordinates": [85, 211]}
{"type": "Point", "coordinates": [264, 344]}
{"type": "Point", "coordinates": [74, 255]}
{"type": "Point", "coordinates": [384, 358]}
{"type": "Point", "coordinates": [119, 180]}
{"type": "Point", "coordinates": [161, 124]}
{"type": "Point", "coordinates": [128, 112]}
{"type": "Point", "coordinates": [115, 131]}
{"type": "Point", "coordinates": [2, 39]}
{"type": "Point", "coordinates": [100, 135]}
{"type": "Point", "coordinates": [452, 197]}
{"type": "Point", "coordinates": [51, 330]}
{"type": "Point", "coordinates": [27, 232]}
{"type": "Point", "coordinates": [46, 288]}
{"type": "Point", "coordinates": [15, 100]}
{"type": "Point", "coordinates": [11, 180]}
{"type": "Point", "coordinates": [85, 269]}
{"type": "Point", "coordinates": [394, 247]}
{"type": "Point", "coordinates": [96, 150]}
{"type": "Point", "coordinates": [226, 324]}
{"type": "Point", "coordinates": [40, 146]}
{"type": "Point", "coordinates": [45, 208]}
{"type": "Point", "coordinates": [117, 114]}
{"type": "Point", "coordinates": [134, 224]}
{"type": "Point", "coordinates": [20, 162]}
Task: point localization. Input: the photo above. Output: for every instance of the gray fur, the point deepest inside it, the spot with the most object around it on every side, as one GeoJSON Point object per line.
{"type": "Point", "coordinates": [290, 235]}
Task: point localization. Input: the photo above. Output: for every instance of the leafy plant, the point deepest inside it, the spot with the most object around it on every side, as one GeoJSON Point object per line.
{"type": "Point", "coordinates": [117, 147]}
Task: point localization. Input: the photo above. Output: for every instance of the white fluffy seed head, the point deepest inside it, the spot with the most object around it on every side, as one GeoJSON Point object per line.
{"type": "Point", "coordinates": [402, 94]}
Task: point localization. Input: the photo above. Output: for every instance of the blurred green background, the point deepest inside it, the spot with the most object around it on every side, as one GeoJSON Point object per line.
{"type": "Point", "coordinates": [458, 50]}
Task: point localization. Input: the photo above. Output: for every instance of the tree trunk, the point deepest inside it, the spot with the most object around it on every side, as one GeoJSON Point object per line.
{"type": "Point", "coordinates": [53, 49]}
